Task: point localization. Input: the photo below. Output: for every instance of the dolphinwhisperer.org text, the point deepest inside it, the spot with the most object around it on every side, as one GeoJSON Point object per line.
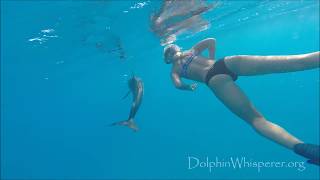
{"type": "Point", "coordinates": [240, 163]}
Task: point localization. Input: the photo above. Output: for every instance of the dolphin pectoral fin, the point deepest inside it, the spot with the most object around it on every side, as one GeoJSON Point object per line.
{"type": "Point", "coordinates": [125, 96]}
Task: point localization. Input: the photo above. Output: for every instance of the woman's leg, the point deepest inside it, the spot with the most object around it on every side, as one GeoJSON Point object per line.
{"type": "Point", "coordinates": [233, 98]}
{"type": "Point", "coordinates": [244, 65]}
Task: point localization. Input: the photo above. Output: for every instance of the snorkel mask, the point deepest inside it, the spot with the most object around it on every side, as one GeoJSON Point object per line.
{"type": "Point", "coordinates": [170, 52]}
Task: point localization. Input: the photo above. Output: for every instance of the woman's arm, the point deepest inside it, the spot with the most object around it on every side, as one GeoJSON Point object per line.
{"type": "Point", "coordinates": [209, 43]}
{"type": "Point", "coordinates": [180, 85]}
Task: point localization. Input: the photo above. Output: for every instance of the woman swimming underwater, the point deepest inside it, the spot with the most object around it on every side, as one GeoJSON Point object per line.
{"type": "Point", "coordinates": [221, 75]}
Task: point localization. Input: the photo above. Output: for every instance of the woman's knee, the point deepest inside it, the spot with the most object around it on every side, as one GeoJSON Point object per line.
{"type": "Point", "coordinates": [259, 123]}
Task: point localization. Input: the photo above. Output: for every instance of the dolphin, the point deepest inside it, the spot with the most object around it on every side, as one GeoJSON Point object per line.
{"type": "Point", "coordinates": [136, 88]}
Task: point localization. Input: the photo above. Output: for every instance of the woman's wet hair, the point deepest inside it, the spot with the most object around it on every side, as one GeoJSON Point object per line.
{"type": "Point", "coordinates": [169, 51]}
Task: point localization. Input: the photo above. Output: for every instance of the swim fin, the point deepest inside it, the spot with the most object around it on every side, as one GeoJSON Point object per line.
{"type": "Point", "coordinates": [309, 151]}
{"type": "Point", "coordinates": [316, 162]}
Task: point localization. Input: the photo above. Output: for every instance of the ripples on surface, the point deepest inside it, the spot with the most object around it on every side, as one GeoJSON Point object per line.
{"type": "Point", "coordinates": [110, 27]}
{"type": "Point", "coordinates": [234, 13]}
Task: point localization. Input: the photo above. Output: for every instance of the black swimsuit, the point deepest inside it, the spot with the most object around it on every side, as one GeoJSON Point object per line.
{"type": "Point", "coordinates": [219, 67]}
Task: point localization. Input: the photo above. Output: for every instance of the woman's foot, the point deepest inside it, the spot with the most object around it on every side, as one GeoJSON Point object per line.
{"type": "Point", "coordinates": [309, 151]}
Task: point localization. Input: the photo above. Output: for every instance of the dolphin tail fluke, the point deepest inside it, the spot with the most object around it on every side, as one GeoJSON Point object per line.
{"type": "Point", "coordinates": [129, 123]}
{"type": "Point", "coordinates": [132, 125]}
{"type": "Point", "coordinates": [119, 123]}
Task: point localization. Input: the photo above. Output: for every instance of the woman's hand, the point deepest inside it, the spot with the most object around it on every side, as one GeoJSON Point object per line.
{"type": "Point", "coordinates": [182, 55]}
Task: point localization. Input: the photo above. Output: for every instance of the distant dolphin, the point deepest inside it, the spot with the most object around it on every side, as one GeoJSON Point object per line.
{"type": "Point", "coordinates": [136, 88]}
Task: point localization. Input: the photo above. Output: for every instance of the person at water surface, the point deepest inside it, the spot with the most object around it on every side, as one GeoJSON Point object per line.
{"type": "Point", "coordinates": [221, 75]}
{"type": "Point", "coordinates": [177, 17]}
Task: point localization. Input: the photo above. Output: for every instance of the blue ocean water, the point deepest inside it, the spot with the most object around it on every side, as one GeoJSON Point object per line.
{"type": "Point", "coordinates": [62, 84]}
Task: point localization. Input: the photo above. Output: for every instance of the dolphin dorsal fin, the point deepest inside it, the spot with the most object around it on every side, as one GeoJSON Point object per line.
{"type": "Point", "coordinates": [132, 73]}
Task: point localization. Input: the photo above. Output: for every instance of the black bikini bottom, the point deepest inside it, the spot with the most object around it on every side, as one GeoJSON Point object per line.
{"type": "Point", "coordinates": [219, 67]}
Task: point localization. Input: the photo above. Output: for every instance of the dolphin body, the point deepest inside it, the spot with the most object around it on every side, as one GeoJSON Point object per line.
{"type": "Point", "coordinates": [136, 88]}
